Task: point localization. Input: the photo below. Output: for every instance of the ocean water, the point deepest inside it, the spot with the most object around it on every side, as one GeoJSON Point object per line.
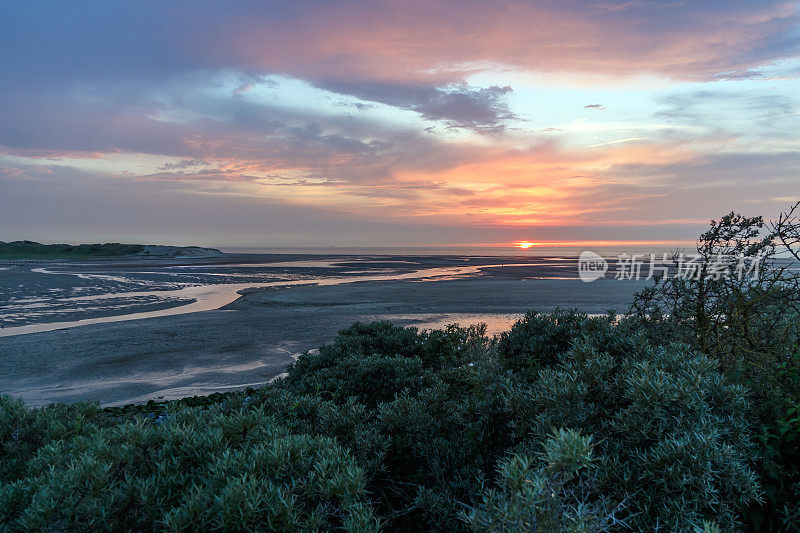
{"type": "Point", "coordinates": [562, 251]}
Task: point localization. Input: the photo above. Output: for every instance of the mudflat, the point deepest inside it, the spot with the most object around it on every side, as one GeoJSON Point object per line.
{"type": "Point", "coordinates": [253, 339]}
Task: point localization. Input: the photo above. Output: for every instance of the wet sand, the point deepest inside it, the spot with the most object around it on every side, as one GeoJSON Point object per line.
{"type": "Point", "coordinates": [251, 340]}
{"type": "Point", "coordinates": [210, 297]}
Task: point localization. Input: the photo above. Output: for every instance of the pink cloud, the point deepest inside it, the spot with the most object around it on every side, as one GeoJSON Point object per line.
{"type": "Point", "coordinates": [441, 41]}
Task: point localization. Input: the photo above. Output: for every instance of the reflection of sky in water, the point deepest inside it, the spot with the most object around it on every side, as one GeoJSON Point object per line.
{"type": "Point", "coordinates": [496, 323]}
{"type": "Point", "coordinates": [40, 298]}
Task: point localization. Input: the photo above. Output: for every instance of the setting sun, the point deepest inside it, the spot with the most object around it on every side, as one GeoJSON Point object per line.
{"type": "Point", "coordinates": [524, 244]}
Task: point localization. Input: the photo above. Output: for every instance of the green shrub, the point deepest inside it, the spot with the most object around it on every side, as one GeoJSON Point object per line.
{"type": "Point", "coordinates": [24, 431]}
{"type": "Point", "coordinates": [675, 438]}
{"type": "Point", "coordinates": [447, 439]}
{"type": "Point", "coordinates": [371, 363]}
{"type": "Point", "coordinates": [750, 325]}
{"type": "Point", "coordinates": [352, 424]}
{"type": "Point", "coordinates": [438, 430]}
{"type": "Point", "coordinates": [553, 492]}
{"type": "Point", "coordinates": [200, 471]}
{"type": "Point", "coordinates": [539, 340]}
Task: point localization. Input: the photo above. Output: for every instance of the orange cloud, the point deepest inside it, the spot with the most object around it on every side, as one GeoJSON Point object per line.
{"type": "Point", "coordinates": [545, 185]}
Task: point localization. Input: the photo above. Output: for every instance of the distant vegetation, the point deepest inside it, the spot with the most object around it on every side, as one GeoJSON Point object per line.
{"type": "Point", "coordinates": [35, 250]}
{"type": "Point", "coordinates": [681, 416]}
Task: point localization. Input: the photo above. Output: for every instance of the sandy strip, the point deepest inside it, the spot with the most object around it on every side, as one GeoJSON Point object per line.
{"type": "Point", "coordinates": [210, 297]}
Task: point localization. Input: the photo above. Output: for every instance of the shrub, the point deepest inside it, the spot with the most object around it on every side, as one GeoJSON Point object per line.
{"type": "Point", "coordinates": [566, 423]}
{"type": "Point", "coordinates": [371, 363]}
{"type": "Point", "coordinates": [673, 436]}
{"type": "Point", "coordinates": [24, 431]}
{"type": "Point", "coordinates": [750, 325]}
{"type": "Point", "coordinates": [201, 471]}
{"type": "Point", "coordinates": [352, 424]}
{"type": "Point", "coordinates": [446, 440]}
{"type": "Point", "coordinates": [553, 492]}
{"type": "Point", "coordinates": [539, 340]}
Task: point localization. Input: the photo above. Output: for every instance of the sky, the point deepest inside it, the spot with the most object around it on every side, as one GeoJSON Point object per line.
{"type": "Point", "coordinates": [394, 123]}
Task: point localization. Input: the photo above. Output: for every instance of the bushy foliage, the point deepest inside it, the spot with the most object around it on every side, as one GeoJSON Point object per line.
{"type": "Point", "coordinates": [539, 340]}
{"type": "Point", "coordinates": [24, 431]}
{"type": "Point", "coordinates": [446, 439]}
{"type": "Point", "coordinates": [610, 430]}
{"type": "Point", "coordinates": [673, 436]}
{"type": "Point", "coordinates": [555, 491]}
{"type": "Point", "coordinates": [199, 471]}
{"type": "Point", "coordinates": [750, 325]}
{"type": "Point", "coordinates": [371, 363]}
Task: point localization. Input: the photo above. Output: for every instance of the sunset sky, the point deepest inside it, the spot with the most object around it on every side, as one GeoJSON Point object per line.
{"type": "Point", "coordinates": [394, 123]}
